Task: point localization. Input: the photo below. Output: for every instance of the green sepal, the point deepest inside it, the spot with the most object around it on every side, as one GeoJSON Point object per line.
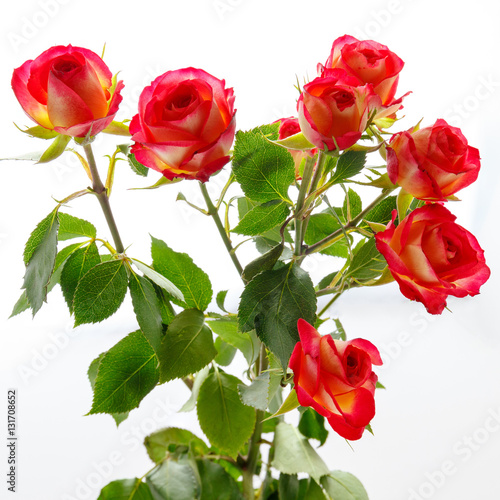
{"type": "Point", "coordinates": [39, 132]}
{"type": "Point", "coordinates": [117, 128]}
{"type": "Point", "coordinates": [56, 149]}
{"type": "Point", "coordinates": [297, 142]}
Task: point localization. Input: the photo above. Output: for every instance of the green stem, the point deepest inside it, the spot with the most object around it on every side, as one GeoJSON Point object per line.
{"type": "Point", "coordinates": [350, 225]}
{"type": "Point", "coordinates": [102, 195]}
{"type": "Point", "coordinates": [212, 211]}
{"type": "Point", "coordinates": [304, 188]}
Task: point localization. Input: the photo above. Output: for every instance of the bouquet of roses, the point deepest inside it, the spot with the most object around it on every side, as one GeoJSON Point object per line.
{"type": "Point", "coordinates": [292, 193]}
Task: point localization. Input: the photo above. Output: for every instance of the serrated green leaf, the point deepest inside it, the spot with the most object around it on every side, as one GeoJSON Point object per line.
{"type": "Point", "coordinates": [161, 442]}
{"type": "Point", "coordinates": [312, 425]}
{"type": "Point", "coordinates": [77, 265]}
{"type": "Point", "coordinates": [92, 375]}
{"type": "Point", "coordinates": [257, 393]}
{"type": "Point", "coordinates": [180, 269]}
{"type": "Point", "coordinates": [186, 347]}
{"type": "Point", "coordinates": [382, 212]}
{"type": "Point", "coordinates": [263, 263]}
{"type": "Point", "coordinates": [40, 256]}
{"type": "Point", "coordinates": [126, 489]}
{"type": "Point", "coordinates": [322, 225]}
{"type": "Point", "coordinates": [263, 170]}
{"type": "Point", "coordinates": [273, 302]}
{"type": "Point", "coordinates": [294, 454]}
{"type": "Point", "coordinates": [225, 352]}
{"type": "Point", "coordinates": [136, 166]}
{"type": "Point", "coordinates": [126, 374]}
{"type": "Point", "coordinates": [367, 262]}
{"type": "Point", "coordinates": [247, 342]}
{"type": "Point", "coordinates": [147, 309]}
{"type": "Point", "coordinates": [100, 292]}
{"type": "Point", "coordinates": [309, 489]}
{"type": "Point", "coordinates": [158, 279]}
{"type": "Point", "coordinates": [289, 486]}
{"type": "Point", "coordinates": [73, 227]}
{"type": "Point", "coordinates": [352, 205]}
{"type": "Point", "coordinates": [216, 483]}
{"type": "Point", "coordinates": [174, 480]}
{"type": "Point", "coordinates": [224, 419]}
{"type": "Point", "coordinates": [344, 486]}
{"type": "Point", "coordinates": [263, 218]}
{"type": "Point", "coordinates": [349, 164]}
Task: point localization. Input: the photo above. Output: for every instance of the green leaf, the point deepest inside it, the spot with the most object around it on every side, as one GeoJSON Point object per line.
{"type": "Point", "coordinates": [225, 352]}
{"type": "Point", "coordinates": [92, 375]}
{"type": "Point", "coordinates": [262, 218]}
{"type": "Point", "coordinates": [224, 419]}
{"type": "Point", "coordinates": [73, 227]}
{"type": "Point", "coordinates": [257, 393]}
{"type": "Point", "coordinates": [367, 262]}
{"type": "Point", "coordinates": [264, 170]}
{"type": "Point", "coordinates": [343, 486]}
{"type": "Point", "coordinates": [77, 265]}
{"type": "Point", "coordinates": [180, 269]}
{"type": "Point", "coordinates": [352, 205]}
{"type": "Point", "coordinates": [294, 454]}
{"type": "Point", "coordinates": [136, 166]}
{"type": "Point", "coordinates": [289, 486]}
{"type": "Point", "coordinates": [127, 372]}
{"type": "Point", "coordinates": [339, 332]}
{"type": "Point", "coordinates": [263, 263]}
{"type": "Point", "coordinates": [349, 164]}
{"type": "Point", "coordinates": [310, 490]}
{"type": "Point", "coordinates": [174, 480]}
{"type": "Point", "coordinates": [100, 292]}
{"type": "Point", "coordinates": [322, 225]}
{"type": "Point", "coordinates": [221, 297]}
{"type": "Point", "coordinates": [216, 483]}
{"type": "Point", "coordinates": [247, 343]}
{"type": "Point", "coordinates": [158, 279]}
{"type": "Point", "coordinates": [273, 302]}
{"type": "Point", "coordinates": [165, 441]}
{"type": "Point", "coordinates": [187, 346]}
{"type": "Point", "coordinates": [56, 149]}
{"type": "Point", "coordinates": [199, 378]}
{"type": "Point", "coordinates": [312, 425]}
{"type": "Point", "coordinates": [40, 256]}
{"type": "Point", "coordinates": [382, 212]}
{"type": "Point", "coordinates": [147, 309]}
{"type": "Point", "coordinates": [126, 489]}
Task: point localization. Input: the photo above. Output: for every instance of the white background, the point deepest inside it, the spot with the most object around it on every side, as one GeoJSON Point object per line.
{"type": "Point", "coordinates": [436, 435]}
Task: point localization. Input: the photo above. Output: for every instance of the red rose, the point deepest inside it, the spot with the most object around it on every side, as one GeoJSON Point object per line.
{"type": "Point", "coordinates": [370, 62]}
{"type": "Point", "coordinates": [332, 111]}
{"type": "Point", "coordinates": [432, 163]}
{"type": "Point", "coordinates": [69, 90]}
{"type": "Point", "coordinates": [185, 126]}
{"type": "Point", "coordinates": [335, 378]}
{"type": "Point", "coordinates": [431, 257]}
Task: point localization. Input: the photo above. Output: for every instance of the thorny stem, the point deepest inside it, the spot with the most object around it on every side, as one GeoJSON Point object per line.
{"type": "Point", "coordinates": [102, 195]}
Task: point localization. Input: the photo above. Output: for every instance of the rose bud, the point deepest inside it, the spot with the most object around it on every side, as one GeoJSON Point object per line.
{"type": "Point", "coordinates": [335, 378]}
{"type": "Point", "coordinates": [289, 127]}
{"type": "Point", "coordinates": [370, 62]}
{"type": "Point", "coordinates": [431, 257]}
{"type": "Point", "coordinates": [432, 163]}
{"type": "Point", "coordinates": [69, 90]}
{"type": "Point", "coordinates": [333, 112]}
{"type": "Point", "coordinates": [185, 126]}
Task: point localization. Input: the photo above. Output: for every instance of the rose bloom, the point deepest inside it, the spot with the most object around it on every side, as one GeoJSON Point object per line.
{"type": "Point", "coordinates": [431, 257]}
{"type": "Point", "coordinates": [433, 162]}
{"type": "Point", "coordinates": [185, 126]}
{"type": "Point", "coordinates": [333, 109]}
{"type": "Point", "coordinates": [69, 90]}
{"type": "Point", "coordinates": [335, 378]}
{"type": "Point", "coordinates": [288, 127]}
{"type": "Point", "coordinates": [370, 62]}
